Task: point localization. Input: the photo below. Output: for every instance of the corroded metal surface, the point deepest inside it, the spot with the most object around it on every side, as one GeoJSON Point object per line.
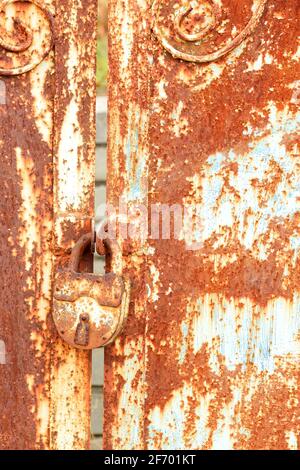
{"type": "Point", "coordinates": [74, 163]}
{"type": "Point", "coordinates": [210, 358]}
{"type": "Point", "coordinates": [23, 46]}
{"type": "Point", "coordinates": [204, 31]}
{"type": "Point", "coordinates": [46, 144]}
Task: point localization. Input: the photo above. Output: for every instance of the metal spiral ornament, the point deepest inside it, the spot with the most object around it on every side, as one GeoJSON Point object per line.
{"type": "Point", "coordinates": [24, 47]}
{"type": "Point", "coordinates": [170, 25]}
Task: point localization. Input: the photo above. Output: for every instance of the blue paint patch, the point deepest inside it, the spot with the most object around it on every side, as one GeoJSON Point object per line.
{"type": "Point", "coordinates": [244, 337]}
{"type": "Point", "coordinates": [255, 165]}
{"type": "Point", "coordinates": [128, 155]}
{"type": "Point", "coordinates": [137, 190]}
{"type": "Point", "coordinates": [295, 243]}
{"type": "Point", "coordinates": [215, 162]}
{"type": "Point", "coordinates": [136, 181]}
{"type": "Point", "coordinates": [212, 191]}
{"type": "Point", "coordinates": [171, 440]}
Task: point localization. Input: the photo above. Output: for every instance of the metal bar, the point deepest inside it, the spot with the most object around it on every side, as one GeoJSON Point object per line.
{"type": "Point", "coordinates": [211, 360]}
{"type": "Point", "coordinates": [47, 138]}
{"type": "Point", "coordinates": [26, 250]}
{"type": "Point", "coordinates": [74, 181]}
{"type": "Point", "coordinates": [128, 150]}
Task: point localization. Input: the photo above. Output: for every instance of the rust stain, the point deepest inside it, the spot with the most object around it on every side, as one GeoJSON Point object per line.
{"type": "Point", "coordinates": [45, 386]}
{"type": "Point", "coordinates": [74, 161]}
{"type": "Point", "coordinates": [182, 28]}
{"type": "Point", "coordinates": [24, 48]}
{"type": "Point", "coordinates": [26, 234]}
{"type": "Point", "coordinates": [213, 333]}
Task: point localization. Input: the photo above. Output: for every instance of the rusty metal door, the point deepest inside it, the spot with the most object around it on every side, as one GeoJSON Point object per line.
{"type": "Point", "coordinates": [204, 114]}
{"type": "Point", "coordinates": [47, 101]}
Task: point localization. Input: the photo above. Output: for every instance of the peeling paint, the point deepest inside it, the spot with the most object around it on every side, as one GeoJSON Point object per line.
{"type": "Point", "coordinates": [45, 386]}
{"type": "Point", "coordinates": [210, 355]}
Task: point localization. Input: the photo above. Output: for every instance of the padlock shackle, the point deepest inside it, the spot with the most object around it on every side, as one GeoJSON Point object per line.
{"type": "Point", "coordinates": [108, 246]}
{"type": "Point", "coordinates": [79, 249]}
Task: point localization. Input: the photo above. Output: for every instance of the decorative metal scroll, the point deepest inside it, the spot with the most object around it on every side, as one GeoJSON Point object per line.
{"type": "Point", "coordinates": [26, 35]}
{"type": "Point", "coordinates": [204, 31]}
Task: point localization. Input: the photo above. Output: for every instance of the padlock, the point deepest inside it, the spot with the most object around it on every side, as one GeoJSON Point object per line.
{"type": "Point", "coordinates": [89, 310]}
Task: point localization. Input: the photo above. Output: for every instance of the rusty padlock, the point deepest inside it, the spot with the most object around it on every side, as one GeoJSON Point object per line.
{"type": "Point", "coordinates": [90, 310]}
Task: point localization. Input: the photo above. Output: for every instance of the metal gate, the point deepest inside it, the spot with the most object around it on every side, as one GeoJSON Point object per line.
{"type": "Point", "coordinates": [47, 139]}
{"type": "Point", "coordinates": [204, 103]}
{"type": "Point", "coordinates": [204, 161]}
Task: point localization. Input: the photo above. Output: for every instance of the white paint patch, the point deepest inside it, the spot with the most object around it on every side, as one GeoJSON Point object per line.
{"type": "Point", "coordinates": [292, 440]}
{"type": "Point", "coordinates": [67, 414]}
{"type": "Point", "coordinates": [180, 124]}
{"type": "Point", "coordinates": [70, 185]}
{"type": "Point", "coordinates": [130, 418]}
{"type": "Point", "coordinates": [154, 288]}
{"type": "Point", "coordinates": [222, 437]}
{"type": "Point", "coordinates": [2, 352]}
{"type": "Point", "coordinates": [29, 236]}
{"type": "Point", "coordinates": [41, 107]}
{"type": "Point", "coordinates": [260, 62]}
{"type": "Point", "coordinates": [160, 86]}
{"type": "Point", "coordinates": [126, 36]}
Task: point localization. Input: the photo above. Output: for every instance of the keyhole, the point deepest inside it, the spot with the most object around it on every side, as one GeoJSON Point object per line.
{"type": "Point", "coordinates": [82, 330]}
